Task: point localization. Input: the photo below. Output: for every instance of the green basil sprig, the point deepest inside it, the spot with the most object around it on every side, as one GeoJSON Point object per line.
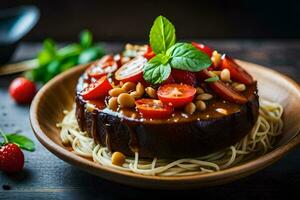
{"type": "Point", "coordinates": [162, 35]}
{"type": "Point", "coordinates": [169, 54]}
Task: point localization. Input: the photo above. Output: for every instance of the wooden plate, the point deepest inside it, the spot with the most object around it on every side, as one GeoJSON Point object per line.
{"type": "Point", "coordinates": [58, 95]}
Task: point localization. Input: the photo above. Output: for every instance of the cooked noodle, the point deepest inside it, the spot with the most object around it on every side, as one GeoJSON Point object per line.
{"type": "Point", "coordinates": [258, 141]}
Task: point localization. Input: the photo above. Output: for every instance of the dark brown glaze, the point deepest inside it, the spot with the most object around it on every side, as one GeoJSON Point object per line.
{"type": "Point", "coordinates": [179, 136]}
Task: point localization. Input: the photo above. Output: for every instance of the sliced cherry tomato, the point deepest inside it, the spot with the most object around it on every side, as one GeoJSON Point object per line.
{"type": "Point", "coordinates": [96, 89]}
{"type": "Point", "coordinates": [237, 73]}
{"type": "Point", "coordinates": [118, 58]}
{"type": "Point", "coordinates": [105, 65]}
{"type": "Point", "coordinates": [153, 108]}
{"type": "Point", "coordinates": [176, 94]}
{"type": "Point", "coordinates": [203, 48]}
{"type": "Point", "coordinates": [131, 71]}
{"type": "Point", "coordinates": [149, 54]}
{"type": "Point", "coordinates": [226, 92]}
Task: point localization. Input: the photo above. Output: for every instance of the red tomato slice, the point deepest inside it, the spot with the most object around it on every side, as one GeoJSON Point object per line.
{"type": "Point", "coordinates": [132, 71]}
{"type": "Point", "coordinates": [153, 108]}
{"type": "Point", "coordinates": [203, 48]}
{"type": "Point", "coordinates": [226, 92]}
{"type": "Point", "coordinates": [96, 89]}
{"type": "Point", "coordinates": [176, 94]}
{"type": "Point", "coordinates": [105, 65]}
{"type": "Point", "coordinates": [149, 54]}
{"type": "Point", "coordinates": [237, 73]}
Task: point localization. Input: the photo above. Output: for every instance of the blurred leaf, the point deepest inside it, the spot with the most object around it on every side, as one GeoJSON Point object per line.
{"type": "Point", "coordinates": [48, 52]}
{"type": "Point", "coordinates": [69, 50]}
{"type": "Point", "coordinates": [52, 69]}
{"type": "Point", "coordinates": [86, 39]}
{"type": "Point", "coordinates": [52, 61]}
{"type": "Point", "coordinates": [68, 63]}
{"type": "Point", "coordinates": [90, 54]}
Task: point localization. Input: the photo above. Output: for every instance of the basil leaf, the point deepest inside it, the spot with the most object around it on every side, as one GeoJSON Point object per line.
{"type": "Point", "coordinates": [90, 54]}
{"type": "Point", "coordinates": [162, 35]}
{"type": "Point", "coordinates": [212, 79]}
{"type": "Point", "coordinates": [22, 141]}
{"type": "Point", "coordinates": [185, 56]}
{"type": "Point", "coordinates": [86, 39]}
{"type": "Point", "coordinates": [155, 71]}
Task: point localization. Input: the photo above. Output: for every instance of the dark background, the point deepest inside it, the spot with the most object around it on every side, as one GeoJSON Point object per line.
{"type": "Point", "coordinates": [131, 20]}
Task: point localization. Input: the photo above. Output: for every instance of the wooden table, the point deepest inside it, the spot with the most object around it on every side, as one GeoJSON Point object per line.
{"type": "Point", "coordinates": [47, 177]}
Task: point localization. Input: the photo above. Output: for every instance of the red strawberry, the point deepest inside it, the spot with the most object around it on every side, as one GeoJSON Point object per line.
{"type": "Point", "coordinates": [186, 77]}
{"type": "Point", "coordinates": [11, 158]}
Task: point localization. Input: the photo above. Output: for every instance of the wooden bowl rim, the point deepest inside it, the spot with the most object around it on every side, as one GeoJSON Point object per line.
{"type": "Point", "coordinates": [250, 166]}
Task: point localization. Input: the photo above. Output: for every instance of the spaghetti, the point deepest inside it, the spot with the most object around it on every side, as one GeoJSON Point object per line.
{"type": "Point", "coordinates": [259, 141]}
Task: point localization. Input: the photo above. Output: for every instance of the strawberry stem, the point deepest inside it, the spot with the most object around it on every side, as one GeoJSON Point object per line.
{"type": "Point", "coordinates": [4, 136]}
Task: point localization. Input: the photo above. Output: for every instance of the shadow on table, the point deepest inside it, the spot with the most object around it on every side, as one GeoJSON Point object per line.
{"type": "Point", "coordinates": [90, 186]}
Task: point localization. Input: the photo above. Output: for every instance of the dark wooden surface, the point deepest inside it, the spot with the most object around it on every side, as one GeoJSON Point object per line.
{"type": "Point", "coordinates": [47, 177]}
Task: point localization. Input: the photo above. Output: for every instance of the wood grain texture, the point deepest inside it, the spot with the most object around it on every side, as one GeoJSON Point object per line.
{"type": "Point", "coordinates": [47, 177]}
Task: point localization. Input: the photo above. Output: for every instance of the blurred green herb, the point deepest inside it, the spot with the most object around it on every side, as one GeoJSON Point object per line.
{"type": "Point", "coordinates": [52, 61]}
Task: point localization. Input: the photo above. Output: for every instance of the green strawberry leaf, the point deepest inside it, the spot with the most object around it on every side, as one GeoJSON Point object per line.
{"type": "Point", "coordinates": [22, 141]}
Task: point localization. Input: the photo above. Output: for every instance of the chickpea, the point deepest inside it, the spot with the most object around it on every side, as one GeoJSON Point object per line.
{"type": "Point", "coordinates": [216, 58]}
{"type": "Point", "coordinates": [125, 59]}
{"type": "Point", "coordinates": [204, 97]}
{"type": "Point", "coordinates": [151, 92]}
{"type": "Point", "coordinates": [225, 75]}
{"type": "Point", "coordinates": [113, 103]}
{"type": "Point", "coordinates": [218, 73]}
{"type": "Point", "coordinates": [140, 89]}
{"type": "Point", "coordinates": [199, 90]}
{"type": "Point", "coordinates": [190, 108]}
{"type": "Point", "coordinates": [128, 86]}
{"type": "Point", "coordinates": [222, 111]}
{"type": "Point", "coordinates": [239, 87]}
{"type": "Point", "coordinates": [135, 95]}
{"type": "Point", "coordinates": [90, 107]}
{"type": "Point", "coordinates": [126, 100]}
{"type": "Point", "coordinates": [118, 158]}
{"type": "Point", "coordinates": [200, 105]}
{"type": "Point", "coordinates": [116, 92]}
{"type": "Point", "coordinates": [129, 46]}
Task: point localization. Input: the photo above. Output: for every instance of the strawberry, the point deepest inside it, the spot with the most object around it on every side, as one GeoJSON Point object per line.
{"type": "Point", "coordinates": [11, 158]}
{"type": "Point", "coordinates": [169, 80]}
{"type": "Point", "coordinates": [186, 77]}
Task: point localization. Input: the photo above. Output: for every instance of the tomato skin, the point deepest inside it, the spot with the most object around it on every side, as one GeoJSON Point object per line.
{"type": "Point", "coordinates": [96, 89]}
{"type": "Point", "coordinates": [166, 93]}
{"type": "Point", "coordinates": [237, 73]}
{"type": "Point", "coordinates": [118, 59]}
{"type": "Point", "coordinates": [226, 92]}
{"type": "Point", "coordinates": [100, 68]}
{"type": "Point", "coordinates": [150, 53]}
{"type": "Point", "coordinates": [131, 71]}
{"type": "Point", "coordinates": [153, 108]}
{"type": "Point", "coordinates": [203, 48]}
{"type": "Point", "coordinates": [22, 90]}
